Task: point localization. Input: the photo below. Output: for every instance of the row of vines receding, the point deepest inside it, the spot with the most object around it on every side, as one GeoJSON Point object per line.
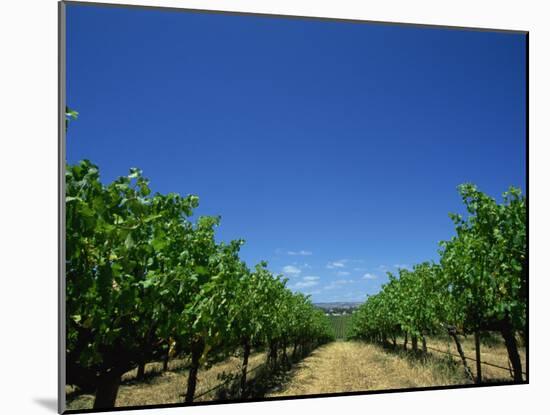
{"type": "Point", "coordinates": [479, 284]}
{"type": "Point", "coordinates": [144, 282]}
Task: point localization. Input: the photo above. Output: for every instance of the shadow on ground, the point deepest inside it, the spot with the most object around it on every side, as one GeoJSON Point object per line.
{"type": "Point", "coordinates": [442, 360]}
{"type": "Point", "coordinates": [48, 403]}
{"type": "Point", "coordinates": [266, 380]}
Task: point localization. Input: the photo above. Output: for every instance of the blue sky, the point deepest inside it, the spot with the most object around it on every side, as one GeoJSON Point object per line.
{"type": "Point", "coordinates": [334, 149]}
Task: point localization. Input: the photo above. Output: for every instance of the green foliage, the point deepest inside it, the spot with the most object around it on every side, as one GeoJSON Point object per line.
{"type": "Point", "coordinates": [117, 289]}
{"type": "Point", "coordinates": [141, 275]}
{"type": "Point", "coordinates": [485, 263]}
{"type": "Point", "coordinates": [70, 115]}
{"type": "Point", "coordinates": [340, 325]}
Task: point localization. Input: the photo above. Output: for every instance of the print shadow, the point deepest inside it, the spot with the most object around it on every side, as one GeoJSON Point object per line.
{"type": "Point", "coordinates": [49, 403]}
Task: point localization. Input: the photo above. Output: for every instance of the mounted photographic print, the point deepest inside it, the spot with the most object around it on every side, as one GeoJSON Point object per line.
{"type": "Point", "coordinates": [259, 207]}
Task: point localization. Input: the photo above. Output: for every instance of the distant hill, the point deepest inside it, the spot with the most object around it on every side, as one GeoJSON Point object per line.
{"type": "Point", "coordinates": [338, 305]}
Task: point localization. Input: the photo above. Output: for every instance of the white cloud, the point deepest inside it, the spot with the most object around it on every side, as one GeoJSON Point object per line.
{"type": "Point", "coordinates": [369, 276]}
{"type": "Point", "coordinates": [337, 283]}
{"type": "Point", "coordinates": [291, 270]}
{"type": "Point", "coordinates": [342, 273]}
{"type": "Point", "coordinates": [303, 284]}
{"type": "Point", "coordinates": [302, 253]}
{"type": "Point", "coordinates": [336, 264]}
{"type": "Point", "coordinates": [307, 281]}
{"type": "Point", "coordinates": [383, 268]}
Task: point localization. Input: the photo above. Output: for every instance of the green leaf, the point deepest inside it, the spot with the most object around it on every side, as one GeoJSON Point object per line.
{"type": "Point", "coordinates": [129, 242]}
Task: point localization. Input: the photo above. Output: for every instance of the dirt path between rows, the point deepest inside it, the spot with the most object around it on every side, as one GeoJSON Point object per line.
{"type": "Point", "coordinates": [337, 367]}
{"type": "Point", "coordinates": [353, 366]}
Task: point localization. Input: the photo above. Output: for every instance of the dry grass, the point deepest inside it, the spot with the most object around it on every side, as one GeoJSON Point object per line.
{"type": "Point", "coordinates": [491, 352]}
{"type": "Point", "coordinates": [354, 366]}
{"type": "Point", "coordinates": [169, 387]}
{"type": "Point", "coordinates": [333, 368]}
